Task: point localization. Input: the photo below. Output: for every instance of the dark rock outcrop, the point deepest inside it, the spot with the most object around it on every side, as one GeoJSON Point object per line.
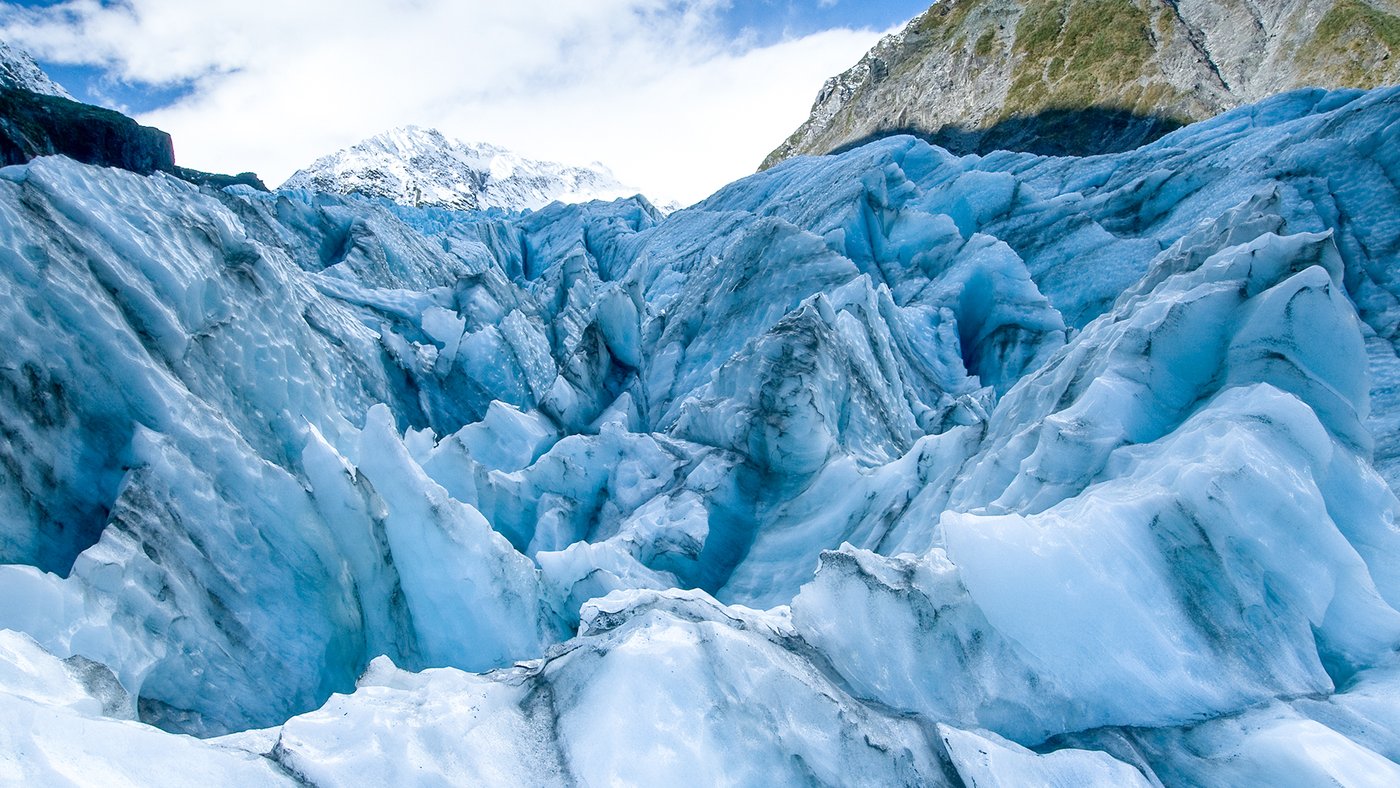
{"type": "Point", "coordinates": [216, 180]}
{"type": "Point", "coordinates": [33, 125]}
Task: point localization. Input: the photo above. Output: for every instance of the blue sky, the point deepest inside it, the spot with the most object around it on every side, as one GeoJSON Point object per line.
{"type": "Point", "coordinates": [677, 96]}
{"type": "Point", "coordinates": [778, 18]}
{"type": "Point", "coordinates": [757, 21]}
{"type": "Point", "coordinates": [99, 84]}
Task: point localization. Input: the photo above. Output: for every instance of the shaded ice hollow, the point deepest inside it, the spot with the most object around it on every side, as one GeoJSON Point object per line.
{"type": "Point", "coordinates": [890, 467]}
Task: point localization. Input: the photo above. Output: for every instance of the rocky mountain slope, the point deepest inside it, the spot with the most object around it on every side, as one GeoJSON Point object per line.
{"type": "Point", "coordinates": [18, 70]}
{"type": "Point", "coordinates": [1092, 76]}
{"type": "Point", "coordinates": [886, 468]}
{"type": "Point", "coordinates": [420, 167]}
{"type": "Point", "coordinates": [36, 124]}
{"type": "Point", "coordinates": [39, 118]}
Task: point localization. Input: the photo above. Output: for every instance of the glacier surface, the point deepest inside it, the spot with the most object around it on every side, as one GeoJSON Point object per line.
{"type": "Point", "coordinates": [891, 467]}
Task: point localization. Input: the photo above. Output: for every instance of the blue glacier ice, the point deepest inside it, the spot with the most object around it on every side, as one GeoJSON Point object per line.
{"type": "Point", "coordinates": [891, 467]}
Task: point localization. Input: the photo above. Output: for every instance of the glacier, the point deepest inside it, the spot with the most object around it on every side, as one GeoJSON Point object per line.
{"type": "Point", "coordinates": [886, 468]}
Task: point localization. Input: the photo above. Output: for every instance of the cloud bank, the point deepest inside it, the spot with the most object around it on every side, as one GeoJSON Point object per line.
{"type": "Point", "coordinates": [653, 88]}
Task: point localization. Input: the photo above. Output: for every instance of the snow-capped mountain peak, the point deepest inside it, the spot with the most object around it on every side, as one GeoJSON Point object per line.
{"type": "Point", "coordinates": [418, 166]}
{"type": "Point", "coordinates": [18, 70]}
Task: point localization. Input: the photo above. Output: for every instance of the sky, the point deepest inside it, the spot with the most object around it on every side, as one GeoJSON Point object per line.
{"type": "Point", "coordinates": [678, 97]}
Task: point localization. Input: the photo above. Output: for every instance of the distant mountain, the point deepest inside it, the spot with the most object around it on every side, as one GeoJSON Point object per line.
{"type": "Point", "coordinates": [18, 70]}
{"type": "Point", "coordinates": [1093, 76]}
{"type": "Point", "coordinates": [39, 118]}
{"type": "Point", "coordinates": [417, 166]}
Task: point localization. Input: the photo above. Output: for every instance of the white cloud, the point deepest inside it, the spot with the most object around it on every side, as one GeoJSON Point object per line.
{"type": "Point", "coordinates": [649, 87]}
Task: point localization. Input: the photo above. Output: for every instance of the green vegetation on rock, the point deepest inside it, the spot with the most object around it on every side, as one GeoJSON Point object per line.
{"type": "Point", "coordinates": [944, 18]}
{"type": "Point", "coordinates": [986, 43]}
{"type": "Point", "coordinates": [1082, 54]}
{"type": "Point", "coordinates": [1356, 44]}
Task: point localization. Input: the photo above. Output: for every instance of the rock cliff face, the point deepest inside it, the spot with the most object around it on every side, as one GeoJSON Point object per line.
{"type": "Point", "coordinates": [1080, 77]}
{"type": "Point", "coordinates": [32, 125]}
{"type": "Point", "coordinates": [39, 118]}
